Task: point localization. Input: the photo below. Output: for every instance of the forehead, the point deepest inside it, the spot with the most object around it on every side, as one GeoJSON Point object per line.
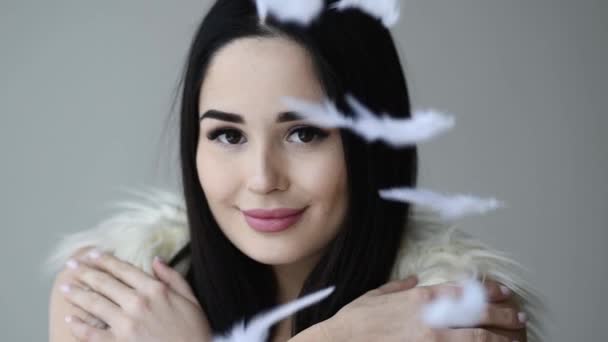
{"type": "Point", "coordinates": [249, 76]}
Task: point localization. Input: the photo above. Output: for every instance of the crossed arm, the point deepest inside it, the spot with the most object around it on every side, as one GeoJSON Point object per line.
{"type": "Point", "coordinates": [329, 330]}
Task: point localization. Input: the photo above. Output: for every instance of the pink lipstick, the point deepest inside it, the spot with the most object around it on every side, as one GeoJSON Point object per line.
{"type": "Point", "coordinates": [273, 220]}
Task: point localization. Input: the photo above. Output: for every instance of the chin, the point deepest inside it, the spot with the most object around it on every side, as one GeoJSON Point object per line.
{"type": "Point", "coordinates": [284, 254]}
{"type": "Point", "coordinates": [269, 256]}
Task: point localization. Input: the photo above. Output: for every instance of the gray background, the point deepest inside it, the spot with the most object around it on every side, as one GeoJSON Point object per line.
{"type": "Point", "coordinates": [86, 90]}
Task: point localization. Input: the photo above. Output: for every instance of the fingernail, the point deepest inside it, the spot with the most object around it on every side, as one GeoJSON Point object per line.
{"type": "Point", "coordinates": [505, 290]}
{"type": "Point", "coordinates": [412, 279]}
{"type": "Point", "coordinates": [65, 288]}
{"type": "Point", "coordinates": [71, 263]}
{"type": "Point", "coordinates": [522, 317]}
{"type": "Point", "coordinates": [159, 259]}
{"type": "Point", "coordinates": [94, 253]}
{"type": "Point", "coordinates": [68, 319]}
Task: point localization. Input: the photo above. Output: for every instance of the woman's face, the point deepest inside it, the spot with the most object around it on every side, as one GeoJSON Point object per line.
{"type": "Point", "coordinates": [252, 155]}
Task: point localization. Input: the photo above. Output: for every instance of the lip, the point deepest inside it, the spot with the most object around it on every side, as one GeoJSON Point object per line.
{"type": "Point", "coordinates": [272, 220]}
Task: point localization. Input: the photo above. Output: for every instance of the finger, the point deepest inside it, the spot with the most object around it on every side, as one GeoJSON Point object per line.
{"type": "Point", "coordinates": [396, 285]}
{"type": "Point", "coordinates": [102, 283]}
{"type": "Point", "coordinates": [496, 291]}
{"type": "Point", "coordinates": [448, 289]}
{"type": "Point", "coordinates": [121, 270]}
{"type": "Point", "coordinates": [475, 334]}
{"type": "Point", "coordinates": [88, 318]}
{"type": "Point", "coordinates": [505, 317]}
{"type": "Point", "coordinates": [174, 279]}
{"type": "Point", "coordinates": [92, 302]}
{"type": "Point", "coordinates": [84, 332]}
{"type": "Point", "coordinates": [512, 335]}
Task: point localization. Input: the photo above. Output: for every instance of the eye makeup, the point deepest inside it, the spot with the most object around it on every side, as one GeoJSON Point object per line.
{"type": "Point", "coordinates": [214, 134]}
{"type": "Point", "coordinates": [317, 133]}
{"type": "Point", "coordinates": [307, 135]}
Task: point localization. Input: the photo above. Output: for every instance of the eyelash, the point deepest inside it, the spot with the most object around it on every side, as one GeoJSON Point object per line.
{"type": "Point", "coordinates": [318, 133]}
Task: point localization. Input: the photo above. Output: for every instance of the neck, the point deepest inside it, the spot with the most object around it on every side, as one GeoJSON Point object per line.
{"type": "Point", "coordinates": [291, 277]}
{"type": "Point", "coordinates": [283, 332]}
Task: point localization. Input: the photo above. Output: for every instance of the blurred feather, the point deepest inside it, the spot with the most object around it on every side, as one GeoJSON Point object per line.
{"type": "Point", "coordinates": [385, 10]}
{"type": "Point", "coordinates": [258, 327]}
{"type": "Point", "coordinates": [423, 125]}
{"type": "Point", "coordinates": [299, 11]}
{"type": "Point", "coordinates": [447, 207]}
{"type": "Point", "coordinates": [438, 252]}
{"type": "Point", "coordinates": [465, 311]}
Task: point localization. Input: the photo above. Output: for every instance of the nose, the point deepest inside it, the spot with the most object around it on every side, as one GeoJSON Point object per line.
{"type": "Point", "coordinates": [266, 172]}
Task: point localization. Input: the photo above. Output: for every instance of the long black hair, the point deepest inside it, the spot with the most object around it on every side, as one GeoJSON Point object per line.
{"type": "Point", "coordinates": [353, 53]}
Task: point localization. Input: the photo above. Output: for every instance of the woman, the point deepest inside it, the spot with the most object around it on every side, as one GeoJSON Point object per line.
{"type": "Point", "coordinates": [244, 158]}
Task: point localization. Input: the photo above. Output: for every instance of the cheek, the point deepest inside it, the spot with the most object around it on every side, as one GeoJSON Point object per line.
{"type": "Point", "coordinates": [214, 175]}
{"type": "Point", "coordinates": [326, 185]}
{"type": "Point", "coordinates": [324, 178]}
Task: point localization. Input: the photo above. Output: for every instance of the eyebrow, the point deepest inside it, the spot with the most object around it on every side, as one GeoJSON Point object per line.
{"type": "Point", "coordinates": [235, 118]}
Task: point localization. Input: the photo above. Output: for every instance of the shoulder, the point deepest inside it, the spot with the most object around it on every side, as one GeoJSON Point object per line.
{"type": "Point", "coordinates": [440, 252]}
{"type": "Point", "coordinates": [153, 225]}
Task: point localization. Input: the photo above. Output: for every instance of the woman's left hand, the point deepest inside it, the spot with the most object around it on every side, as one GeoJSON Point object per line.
{"type": "Point", "coordinates": [502, 297]}
{"type": "Point", "coordinates": [135, 305]}
{"type": "Point", "coordinates": [504, 316]}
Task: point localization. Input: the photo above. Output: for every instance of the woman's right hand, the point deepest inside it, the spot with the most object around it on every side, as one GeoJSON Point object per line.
{"type": "Point", "coordinates": [392, 312]}
{"type": "Point", "coordinates": [173, 298]}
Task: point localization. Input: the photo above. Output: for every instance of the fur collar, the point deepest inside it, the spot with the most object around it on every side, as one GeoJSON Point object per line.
{"type": "Point", "coordinates": [436, 252]}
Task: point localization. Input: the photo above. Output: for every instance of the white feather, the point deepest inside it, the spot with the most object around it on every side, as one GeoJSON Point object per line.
{"type": "Point", "coordinates": [465, 311]}
{"type": "Point", "coordinates": [299, 11]}
{"type": "Point", "coordinates": [257, 330]}
{"type": "Point", "coordinates": [325, 114]}
{"type": "Point", "coordinates": [385, 10]}
{"type": "Point", "coordinates": [423, 125]}
{"type": "Point", "coordinates": [439, 252]}
{"type": "Point", "coordinates": [448, 207]}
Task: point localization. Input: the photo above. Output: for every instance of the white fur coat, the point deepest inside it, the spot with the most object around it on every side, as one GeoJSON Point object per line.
{"type": "Point", "coordinates": [436, 252]}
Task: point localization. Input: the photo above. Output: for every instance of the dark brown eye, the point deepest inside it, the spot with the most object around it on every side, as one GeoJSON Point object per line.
{"type": "Point", "coordinates": [226, 136]}
{"type": "Point", "coordinates": [308, 134]}
{"type": "Point", "coordinates": [233, 137]}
